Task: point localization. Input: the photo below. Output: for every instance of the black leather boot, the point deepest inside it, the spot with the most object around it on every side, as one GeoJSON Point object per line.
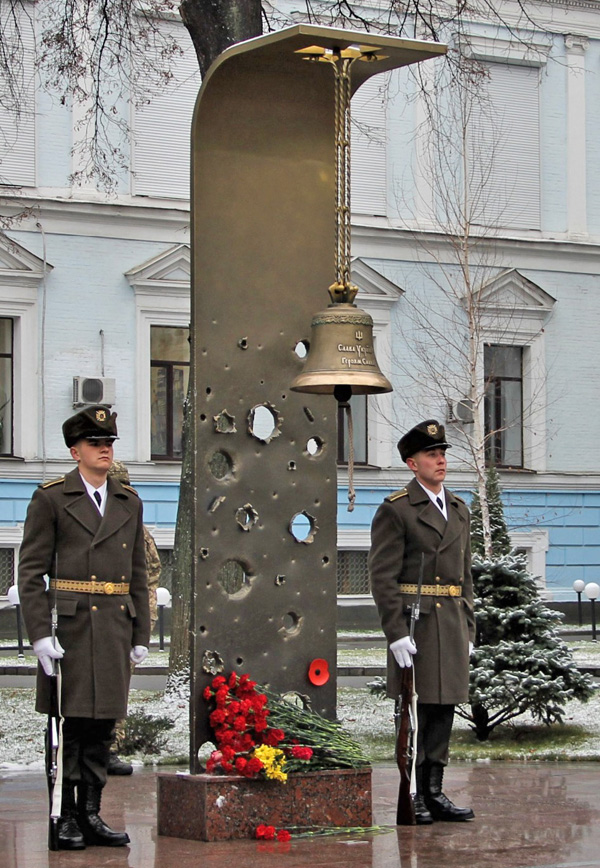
{"type": "Point", "coordinates": [69, 833]}
{"type": "Point", "coordinates": [422, 815]}
{"type": "Point", "coordinates": [94, 829]}
{"type": "Point", "coordinates": [440, 806]}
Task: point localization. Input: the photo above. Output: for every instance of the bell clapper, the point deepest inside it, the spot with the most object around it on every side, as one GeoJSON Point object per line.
{"type": "Point", "coordinates": [342, 394]}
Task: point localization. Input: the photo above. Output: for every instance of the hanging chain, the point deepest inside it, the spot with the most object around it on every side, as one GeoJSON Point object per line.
{"type": "Point", "coordinates": [342, 290]}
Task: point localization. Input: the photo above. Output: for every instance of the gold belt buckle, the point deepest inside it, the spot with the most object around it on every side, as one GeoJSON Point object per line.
{"type": "Point", "coordinates": [454, 590]}
{"type": "Point", "coordinates": [109, 588]}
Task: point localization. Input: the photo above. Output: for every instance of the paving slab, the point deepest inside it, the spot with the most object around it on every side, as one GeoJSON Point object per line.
{"type": "Point", "coordinates": [528, 815]}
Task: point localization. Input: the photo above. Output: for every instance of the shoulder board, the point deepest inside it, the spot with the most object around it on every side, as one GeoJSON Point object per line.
{"type": "Point", "coordinates": [396, 494]}
{"type": "Point", "coordinates": [52, 482]}
{"type": "Point", "coordinates": [129, 488]}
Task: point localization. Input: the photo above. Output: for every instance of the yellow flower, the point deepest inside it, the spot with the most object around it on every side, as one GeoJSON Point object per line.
{"type": "Point", "coordinates": [273, 761]}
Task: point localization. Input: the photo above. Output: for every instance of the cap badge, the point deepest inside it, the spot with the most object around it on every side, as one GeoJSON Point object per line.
{"type": "Point", "coordinates": [100, 415]}
{"type": "Point", "coordinates": [432, 430]}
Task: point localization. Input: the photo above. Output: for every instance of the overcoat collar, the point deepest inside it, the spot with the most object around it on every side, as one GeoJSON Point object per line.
{"type": "Point", "coordinates": [429, 513]}
{"type": "Point", "coordinates": [118, 507]}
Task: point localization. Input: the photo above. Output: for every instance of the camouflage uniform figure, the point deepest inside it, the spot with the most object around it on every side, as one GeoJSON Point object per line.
{"type": "Point", "coordinates": [116, 766]}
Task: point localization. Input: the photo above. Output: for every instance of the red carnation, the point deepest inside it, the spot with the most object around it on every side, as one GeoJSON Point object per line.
{"type": "Point", "coordinates": [302, 753]}
{"type": "Point", "coordinates": [283, 835]}
{"type": "Point", "coordinates": [254, 765]}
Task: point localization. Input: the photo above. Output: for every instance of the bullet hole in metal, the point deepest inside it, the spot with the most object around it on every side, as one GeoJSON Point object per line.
{"type": "Point", "coordinates": [264, 422]}
{"type": "Point", "coordinates": [299, 700]}
{"type": "Point", "coordinates": [301, 349]}
{"type": "Point", "coordinates": [202, 629]}
{"type": "Point", "coordinates": [220, 464]}
{"type": "Point", "coordinates": [243, 343]}
{"type": "Point", "coordinates": [203, 554]}
{"type": "Point", "coordinates": [233, 577]}
{"type": "Point", "coordinates": [279, 580]}
{"type": "Point", "coordinates": [274, 495]}
{"type": "Point", "coordinates": [224, 423]}
{"type": "Point", "coordinates": [291, 622]}
{"type": "Point", "coordinates": [309, 414]}
{"type": "Point", "coordinates": [291, 465]}
{"type": "Point", "coordinates": [314, 446]}
{"type": "Point", "coordinates": [216, 503]}
{"type": "Point", "coordinates": [208, 390]}
{"type": "Point", "coordinates": [284, 397]}
{"type": "Point", "coordinates": [239, 661]}
{"type": "Point", "coordinates": [303, 527]}
{"type": "Point", "coordinates": [246, 516]}
{"type": "Point", "coordinates": [203, 417]}
{"type": "Point", "coordinates": [212, 663]}
{"type": "Point", "coordinates": [325, 559]}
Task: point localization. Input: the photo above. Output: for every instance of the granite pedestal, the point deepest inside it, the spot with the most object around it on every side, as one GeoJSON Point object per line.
{"type": "Point", "coordinates": [220, 807]}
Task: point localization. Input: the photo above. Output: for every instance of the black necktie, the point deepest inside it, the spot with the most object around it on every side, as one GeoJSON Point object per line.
{"type": "Point", "coordinates": [98, 498]}
{"type": "Point", "coordinates": [438, 500]}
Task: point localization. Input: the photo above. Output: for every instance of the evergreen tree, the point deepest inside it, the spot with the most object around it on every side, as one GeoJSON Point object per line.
{"type": "Point", "coordinates": [500, 539]}
{"type": "Point", "coordinates": [520, 663]}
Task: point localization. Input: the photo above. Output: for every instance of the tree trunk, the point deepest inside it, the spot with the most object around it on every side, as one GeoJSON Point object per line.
{"type": "Point", "coordinates": [481, 720]}
{"type": "Point", "coordinates": [214, 25]}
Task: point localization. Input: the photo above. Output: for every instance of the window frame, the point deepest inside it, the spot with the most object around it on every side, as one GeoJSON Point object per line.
{"type": "Point", "coordinates": [169, 365]}
{"type": "Point", "coordinates": [161, 288]}
{"type": "Point", "coordinates": [494, 435]}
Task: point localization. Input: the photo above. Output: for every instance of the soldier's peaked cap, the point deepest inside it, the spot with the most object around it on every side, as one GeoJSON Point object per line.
{"type": "Point", "coordinates": [91, 423]}
{"type": "Point", "coordinates": [426, 435]}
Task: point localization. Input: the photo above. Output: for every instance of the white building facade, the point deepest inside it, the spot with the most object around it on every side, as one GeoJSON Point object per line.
{"type": "Point", "coordinates": [94, 292]}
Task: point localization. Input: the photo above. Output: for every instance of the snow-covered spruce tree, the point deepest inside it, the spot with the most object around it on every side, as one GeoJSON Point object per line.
{"type": "Point", "coordinates": [520, 663]}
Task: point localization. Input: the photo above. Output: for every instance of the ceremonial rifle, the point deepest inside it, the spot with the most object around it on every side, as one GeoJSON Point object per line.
{"type": "Point", "coordinates": [53, 743]}
{"type": "Point", "coordinates": [406, 725]}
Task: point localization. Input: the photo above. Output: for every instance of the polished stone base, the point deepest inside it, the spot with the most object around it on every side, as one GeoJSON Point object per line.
{"type": "Point", "coordinates": [219, 808]}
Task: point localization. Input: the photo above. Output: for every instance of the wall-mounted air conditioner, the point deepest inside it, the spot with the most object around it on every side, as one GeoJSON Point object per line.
{"type": "Point", "coordinates": [93, 390]}
{"type": "Point", "coordinates": [460, 411]}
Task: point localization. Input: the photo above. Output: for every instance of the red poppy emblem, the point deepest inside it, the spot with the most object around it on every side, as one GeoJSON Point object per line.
{"type": "Point", "coordinates": [318, 672]}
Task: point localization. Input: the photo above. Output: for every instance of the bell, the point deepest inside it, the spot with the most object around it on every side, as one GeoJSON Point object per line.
{"type": "Point", "coordinates": [341, 360]}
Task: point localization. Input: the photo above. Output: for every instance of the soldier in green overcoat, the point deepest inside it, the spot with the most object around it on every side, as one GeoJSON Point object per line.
{"type": "Point", "coordinates": [85, 533]}
{"type": "Point", "coordinates": [426, 519]}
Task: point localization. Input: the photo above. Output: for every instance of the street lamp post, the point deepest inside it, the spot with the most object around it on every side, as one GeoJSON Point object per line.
{"type": "Point", "coordinates": [163, 598]}
{"type": "Point", "coordinates": [592, 590]}
{"type": "Point", "coordinates": [578, 586]}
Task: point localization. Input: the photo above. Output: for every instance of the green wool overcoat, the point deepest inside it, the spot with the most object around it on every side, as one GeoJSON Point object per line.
{"type": "Point", "coordinates": [406, 524]}
{"type": "Point", "coordinates": [66, 537]}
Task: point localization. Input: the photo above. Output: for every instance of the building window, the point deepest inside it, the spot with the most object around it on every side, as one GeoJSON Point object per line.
{"type": "Point", "coordinates": [352, 572]}
{"type": "Point", "coordinates": [7, 570]}
{"type": "Point", "coordinates": [6, 386]}
{"type": "Point", "coordinates": [170, 367]}
{"type": "Point", "coordinates": [503, 372]}
{"type": "Point", "coordinates": [359, 407]}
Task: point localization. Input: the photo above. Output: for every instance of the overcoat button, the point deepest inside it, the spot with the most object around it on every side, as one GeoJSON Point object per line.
{"type": "Point", "coordinates": [438, 605]}
{"type": "Point", "coordinates": [93, 578]}
{"type": "Point", "coordinates": [94, 608]}
{"type": "Point", "coordinates": [122, 608]}
{"type": "Point", "coordinates": [437, 578]}
{"type": "Point", "coordinates": [123, 578]}
{"type": "Point", "coordinates": [124, 545]}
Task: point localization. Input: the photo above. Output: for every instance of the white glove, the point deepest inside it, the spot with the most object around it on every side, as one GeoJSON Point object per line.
{"type": "Point", "coordinates": [403, 649]}
{"type": "Point", "coordinates": [470, 648]}
{"type": "Point", "coordinates": [46, 651]}
{"type": "Point", "coordinates": [138, 653]}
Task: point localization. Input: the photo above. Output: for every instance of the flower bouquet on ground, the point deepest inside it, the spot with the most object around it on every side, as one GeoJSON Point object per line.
{"type": "Point", "coordinates": [260, 734]}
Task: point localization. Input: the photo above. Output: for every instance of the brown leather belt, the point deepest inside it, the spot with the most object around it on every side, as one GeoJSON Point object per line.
{"type": "Point", "coordinates": [433, 590]}
{"type": "Point", "coordinates": [89, 587]}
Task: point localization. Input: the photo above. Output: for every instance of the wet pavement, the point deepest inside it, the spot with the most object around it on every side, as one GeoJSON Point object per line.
{"type": "Point", "coordinates": [544, 815]}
